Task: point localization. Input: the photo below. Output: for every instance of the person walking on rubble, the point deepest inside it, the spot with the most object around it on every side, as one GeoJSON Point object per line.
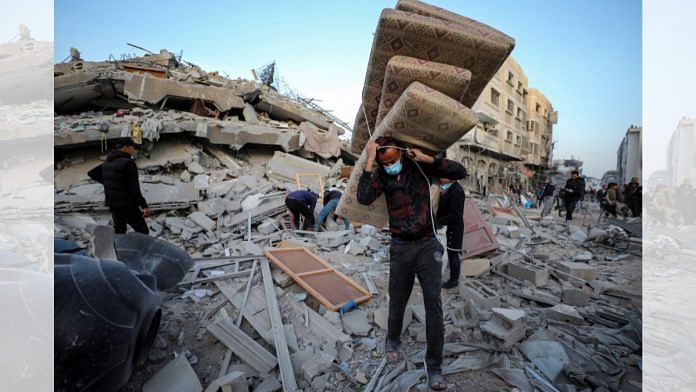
{"type": "Point", "coordinates": [574, 189]}
{"type": "Point", "coordinates": [634, 197]}
{"type": "Point", "coordinates": [331, 199]}
{"type": "Point", "coordinates": [414, 250]}
{"type": "Point", "coordinates": [611, 199]}
{"type": "Point", "coordinates": [302, 203]}
{"type": "Point", "coordinates": [547, 197]}
{"type": "Point", "coordinates": [450, 213]}
{"type": "Point", "coordinates": [119, 175]}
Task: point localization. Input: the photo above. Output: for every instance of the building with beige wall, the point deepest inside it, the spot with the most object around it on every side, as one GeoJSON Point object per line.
{"type": "Point", "coordinates": [502, 148]}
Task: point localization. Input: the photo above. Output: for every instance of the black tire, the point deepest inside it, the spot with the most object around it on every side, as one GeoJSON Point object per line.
{"type": "Point", "coordinates": [106, 317]}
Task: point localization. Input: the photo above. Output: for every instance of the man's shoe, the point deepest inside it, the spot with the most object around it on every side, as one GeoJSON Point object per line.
{"type": "Point", "coordinates": [450, 284]}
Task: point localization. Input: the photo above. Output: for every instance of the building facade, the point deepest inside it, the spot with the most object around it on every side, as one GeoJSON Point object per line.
{"type": "Point", "coordinates": [629, 160]}
{"type": "Point", "coordinates": [512, 142]}
{"type": "Point", "coordinates": [680, 161]}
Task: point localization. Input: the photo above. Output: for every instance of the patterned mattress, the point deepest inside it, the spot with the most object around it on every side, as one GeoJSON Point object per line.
{"type": "Point", "coordinates": [445, 38]}
{"type": "Point", "coordinates": [421, 117]}
{"type": "Point", "coordinates": [402, 71]}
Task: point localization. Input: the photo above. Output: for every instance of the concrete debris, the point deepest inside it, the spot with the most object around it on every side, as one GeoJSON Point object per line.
{"type": "Point", "coordinates": [356, 323]}
{"type": "Point", "coordinates": [565, 313]}
{"type": "Point", "coordinates": [474, 267]}
{"type": "Point", "coordinates": [464, 314]}
{"type": "Point", "coordinates": [316, 365]}
{"type": "Point", "coordinates": [577, 270]}
{"type": "Point", "coordinates": [575, 296]}
{"type": "Point", "coordinates": [481, 294]}
{"type": "Point", "coordinates": [202, 220]}
{"type": "Point", "coordinates": [177, 375]}
{"type": "Point", "coordinates": [507, 325]}
{"type": "Point", "coordinates": [523, 270]}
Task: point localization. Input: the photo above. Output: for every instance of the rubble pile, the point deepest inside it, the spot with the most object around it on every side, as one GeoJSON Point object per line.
{"type": "Point", "coordinates": [571, 290]}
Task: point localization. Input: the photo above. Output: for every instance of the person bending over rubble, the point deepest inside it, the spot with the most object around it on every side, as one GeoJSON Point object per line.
{"type": "Point", "coordinates": [302, 203]}
{"type": "Point", "coordinates": [119, 175]}
{"type": "Point", "coordinates": [414, 250]}
{"type": "Point", "coordinates": [450, 213]}
{"type": "Point", "coordinates": [331, 199]}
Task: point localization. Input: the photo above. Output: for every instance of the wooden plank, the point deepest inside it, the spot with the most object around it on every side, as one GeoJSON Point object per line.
{"type": "Point", "coordinates": [241, 344]}
{"type": "Point", "coordinates": [287, 375]}
{"type": "Point", "coordinates": [328, 285]}
{"type": "Point", "coordinates": [317, 272]}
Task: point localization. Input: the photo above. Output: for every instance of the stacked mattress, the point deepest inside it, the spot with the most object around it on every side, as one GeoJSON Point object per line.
{"type": "Point", "coordinates": [427, 68]}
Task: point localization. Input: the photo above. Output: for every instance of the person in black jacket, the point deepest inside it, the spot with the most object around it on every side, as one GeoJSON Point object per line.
{"type": "Point", "coordinates": [403, 177]}
{"type": "Point", "coordinates": [450, 213]}
{"type": "Point", "coordinates": [574, 189]}
{"type": "Point", "coordinates": [119, 175]}
{"type": "Point", "coordinates": [301, 203]}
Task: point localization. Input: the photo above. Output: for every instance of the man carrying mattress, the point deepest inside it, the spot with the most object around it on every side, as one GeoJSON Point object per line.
{"type": "Point", "coordinates": [403, 176]}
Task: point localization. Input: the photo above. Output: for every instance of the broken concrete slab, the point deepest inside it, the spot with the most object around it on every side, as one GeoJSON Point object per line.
{"type": "Point", "coordinates": [299, 358]}
{"type": "Point", "coordinates": [524, 270]}
{"type": "Point", "coordinates": [354, 248]}
{"type": "Point", "coordinates": [507, 325]}
{"type": "Point", "coordinates": [565, 313]}
{"type": "Point", "coordinates": [370, 243]}
{"type": "Point", "coordinates": [513, 232]}
{"type": "Point", "coordinates": [482, 295]}
{"type": "Point", "coordinates": [320, 326]}
{"type": "Point", "coordinates": [177, 375]}
{"type": "Point", "coordinates": [323, 143]}
{"type": "Point", "coordinates": [202, 220]}
{"type": "Point", "coordinates": [546, 353]}
{"type": "Point", "coordinates": [237, 134]}
{"type": "Point", "coordinates": [281, 108]}
{"type": "Point", "coordinates": [356, 323]}
{"type": "Point", "coordinates": [577, 270]}
{"type": "Point", "coordinates": [249, 114]}
{"type": "Point", "coordinates": [574, 296]}
{"type": "Point", "coordinates": [474, 267]}
{"type": "Point", "coordinates": [268, 226]}
{"type": "Point", "coordinates": [316, 365]}
{"type": "Point", "coordinates": [284, 167]}
{"type": "Point", "coordinates": [146, 89]}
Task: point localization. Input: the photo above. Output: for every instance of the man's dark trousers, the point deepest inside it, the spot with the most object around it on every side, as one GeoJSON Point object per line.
{"type": "Point", "coordinates": [128, 215]}
{"type": "Point", "coordinates": [570, 207]}
{"type": "Point", "coordinates": [422, 258]}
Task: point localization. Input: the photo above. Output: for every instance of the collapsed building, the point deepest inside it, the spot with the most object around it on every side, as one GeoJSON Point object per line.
{"type": "Point", "coordinates": [541, 305]}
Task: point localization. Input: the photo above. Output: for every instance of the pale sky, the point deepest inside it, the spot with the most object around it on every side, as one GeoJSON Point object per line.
{"type": "Point", "coordinates": [585, 56]}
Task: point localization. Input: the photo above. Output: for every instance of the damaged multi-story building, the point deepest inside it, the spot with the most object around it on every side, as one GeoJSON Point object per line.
{"type": "Point", "coordinates": [513, 140]}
